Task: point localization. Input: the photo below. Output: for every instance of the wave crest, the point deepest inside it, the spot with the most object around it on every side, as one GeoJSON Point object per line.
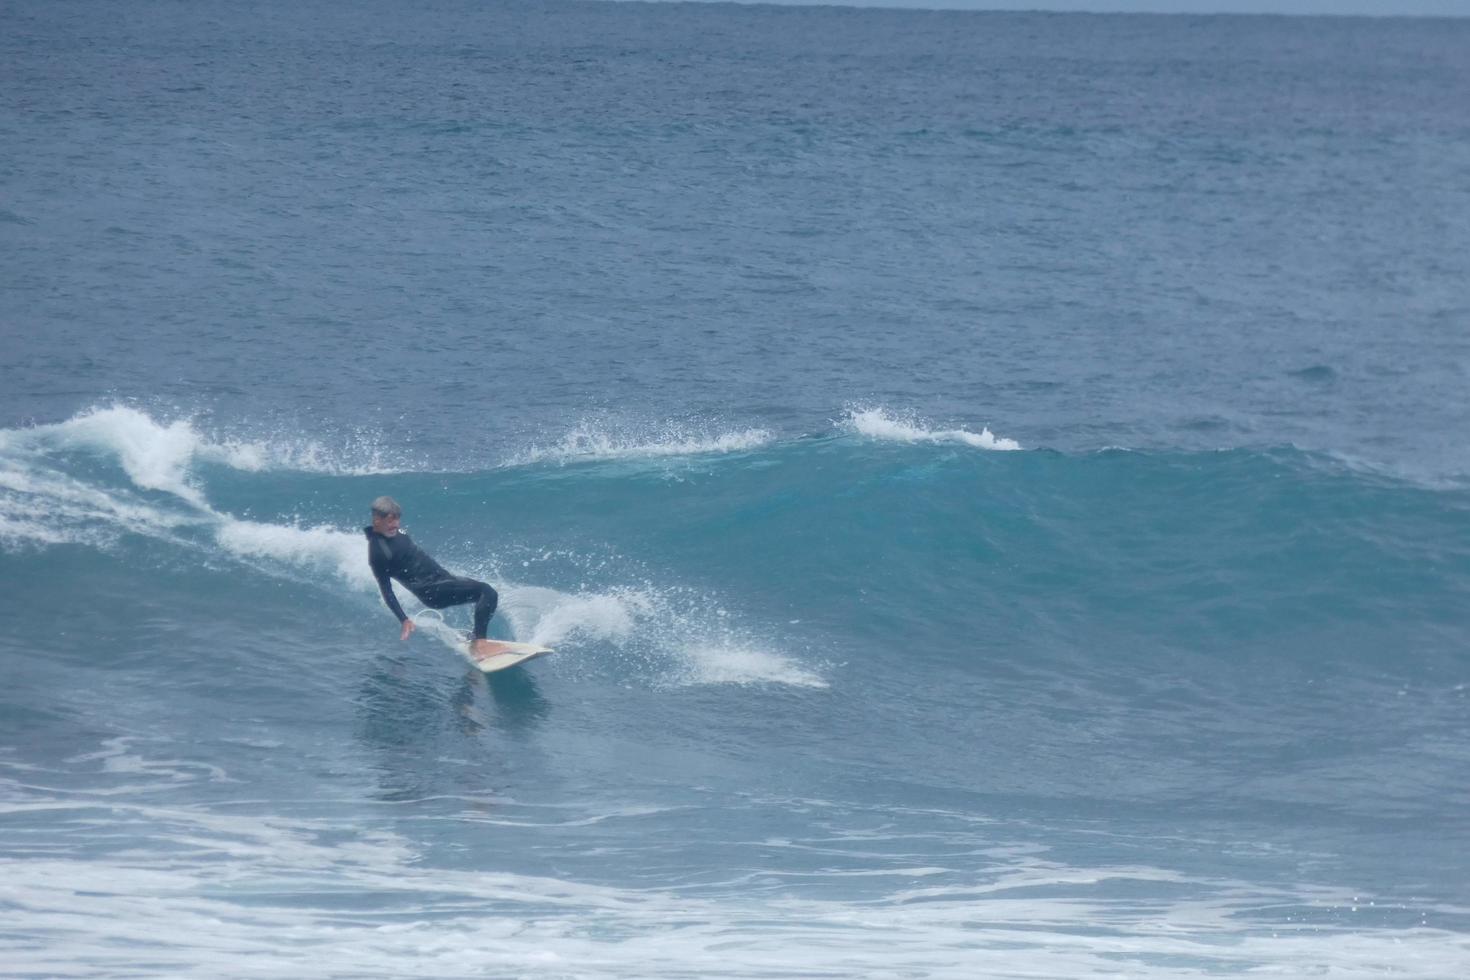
{"type": "Point", "coordinates": [597, 441]}
{"type": "Point", "coordinates": [879, 423]}
{"type": "Point", "coordinates": [159, 455]}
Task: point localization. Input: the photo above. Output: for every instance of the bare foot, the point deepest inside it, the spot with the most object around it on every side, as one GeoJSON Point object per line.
{"type": "Point", "coordinates": [480, 649]}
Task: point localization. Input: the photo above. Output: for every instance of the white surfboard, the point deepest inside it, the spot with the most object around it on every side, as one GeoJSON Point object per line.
{"type": "Point", "coordinates": [507, 655]}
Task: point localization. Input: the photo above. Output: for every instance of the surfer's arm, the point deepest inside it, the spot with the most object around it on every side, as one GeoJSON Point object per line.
{"type": "Point", "coordinates": [390, 599]}
{"type": "Point", "coordinates": [385, 586]}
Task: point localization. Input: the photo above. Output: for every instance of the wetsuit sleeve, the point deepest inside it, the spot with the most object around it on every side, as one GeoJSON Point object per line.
{"type": "Point", "coordinates": [385, 584]}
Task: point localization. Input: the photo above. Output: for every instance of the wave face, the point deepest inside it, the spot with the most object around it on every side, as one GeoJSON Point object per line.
{"type": "Point", "coordinates": [882, 675]}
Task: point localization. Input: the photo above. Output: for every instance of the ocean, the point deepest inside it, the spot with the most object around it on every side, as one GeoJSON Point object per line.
{"type": "Point", "coordinates": [997, 485]}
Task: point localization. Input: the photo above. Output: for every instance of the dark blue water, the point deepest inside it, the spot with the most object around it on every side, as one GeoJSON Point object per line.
{"type": "Point", "coordinates": [996, 484]}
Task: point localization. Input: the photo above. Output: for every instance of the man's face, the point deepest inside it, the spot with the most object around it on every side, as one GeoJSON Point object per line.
{"type": "Point", "coordinates": [386, 524]}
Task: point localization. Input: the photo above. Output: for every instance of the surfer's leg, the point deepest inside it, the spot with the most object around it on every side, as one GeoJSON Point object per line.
{"type": "Point", "coordinates": [485, 605]}
{"type": "Point", "coordinates": [457, 592]}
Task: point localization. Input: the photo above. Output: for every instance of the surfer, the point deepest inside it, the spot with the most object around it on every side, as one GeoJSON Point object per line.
{"type": "Point", "coordinates": [392, 555]}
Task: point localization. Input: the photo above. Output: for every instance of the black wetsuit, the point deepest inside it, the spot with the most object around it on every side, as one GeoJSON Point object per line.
{"type": "Point", "coordinates": [399, 558]}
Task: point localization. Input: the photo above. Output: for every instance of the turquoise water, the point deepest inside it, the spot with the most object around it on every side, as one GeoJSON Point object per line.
{"type": "Point", "coordinates": [995, 483]}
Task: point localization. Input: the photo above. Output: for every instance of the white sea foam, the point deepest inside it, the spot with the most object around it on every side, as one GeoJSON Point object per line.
{"type": "Point", "coordinates": [669, 637]}
{"type": "Point", "coordinates": [548, 617]}
{"type": "Point", "coordinates": [20, 532]}
{"type": "Point", "coordinates": [43, 504]}
{"type": "Point", "coordinates": [597, 440]}
{"type": "Point", "coordinates": [879, 423]}
{"type": "Point", "coordinates": [738, 664]}
{"type": "Point", "coordinates": [118, 755]}
{"type": "Point", "coordinates": [40, 506]}
{"type": "Point", "coordinates": [155, 456]}
{"type": "Point", "coordinates": [679, 637]}
{"type": "Point", "coordinates": [328, 549]}
{"type": "Point", "coordinates": [275, 896]}
{"type": "Point", "coordinates": [298, 455]}
{"type": "Point", "coordinates": [160, 455]}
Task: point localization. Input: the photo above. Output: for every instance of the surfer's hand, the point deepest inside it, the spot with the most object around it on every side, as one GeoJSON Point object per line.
{"type": "Point", "coordinates": [408, 627]}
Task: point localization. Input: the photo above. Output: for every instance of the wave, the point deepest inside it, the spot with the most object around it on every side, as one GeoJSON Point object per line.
{"type": "Point", "coordinates": [883, 424]}
{"type": "Point", "coordinates": [57, 488]}
{"type": "Point", "coordinates": [169, 457]}
{"type": "Point", "coordinates": [633, 441]}
{"type": "Point", "coordinates": [1194, 549]}
{"type": "Point", "coordinates": [158, 455]}
{"type": "Point", "coordinates": [621, 441]}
